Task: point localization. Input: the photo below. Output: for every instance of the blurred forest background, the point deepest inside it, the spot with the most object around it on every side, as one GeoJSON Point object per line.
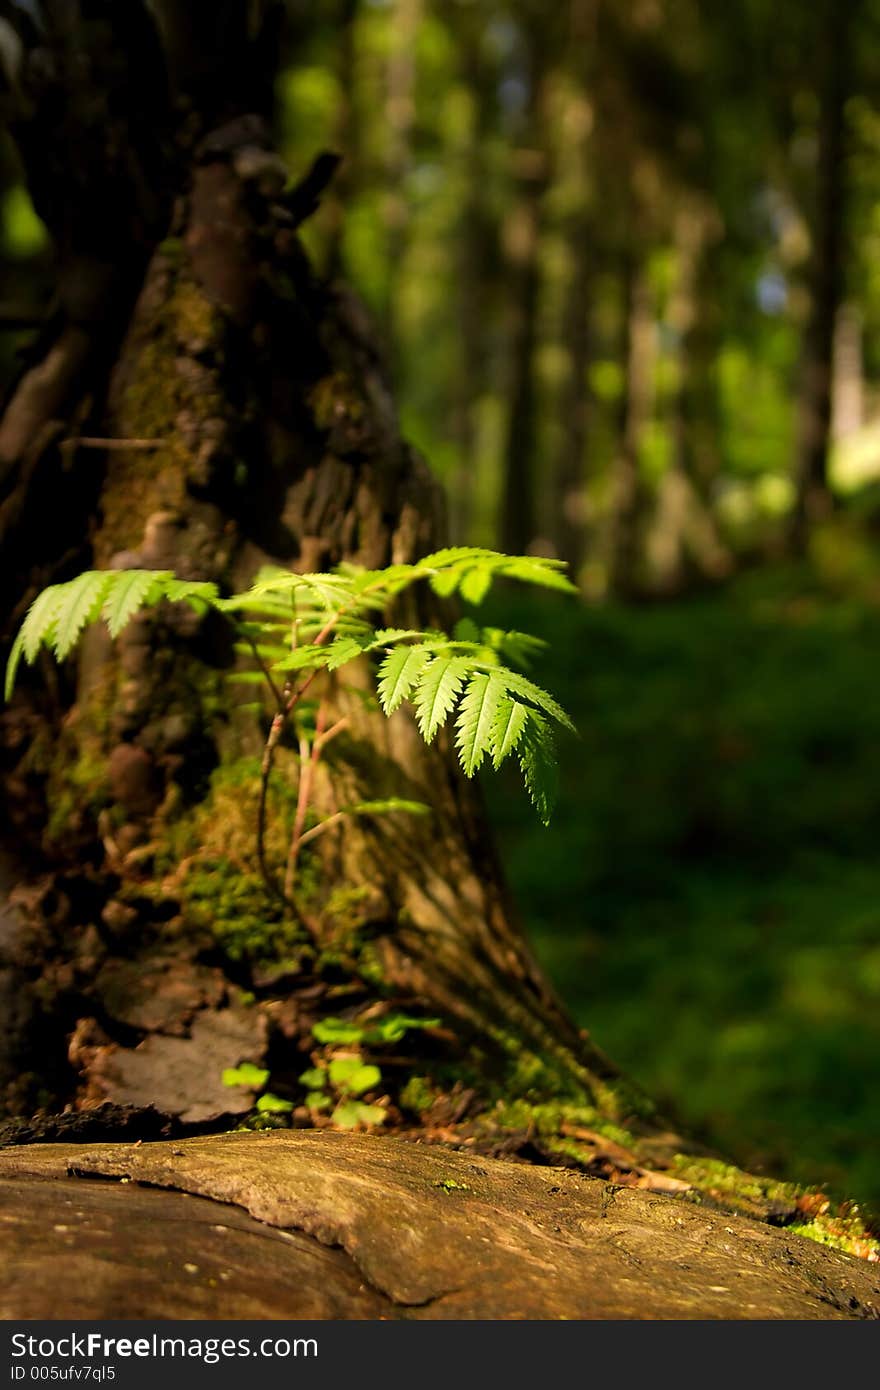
{"type": "Point", "coordinates": [624, 258]}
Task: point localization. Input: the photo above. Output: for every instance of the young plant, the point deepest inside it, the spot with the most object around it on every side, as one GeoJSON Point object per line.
{"type": "Point", "coordinates": [292, 627]}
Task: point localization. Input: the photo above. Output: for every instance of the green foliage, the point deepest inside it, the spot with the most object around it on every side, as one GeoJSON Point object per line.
{"type": "Point", "coordinates": [293, 625]}
{"type": "Point", "coordinates": [247, 1074]}
{"type": "Point", "coordinates": [713, 862]}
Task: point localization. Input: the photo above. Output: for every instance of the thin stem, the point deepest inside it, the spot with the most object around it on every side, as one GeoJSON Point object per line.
{"type": "Point", "coordinates": [277, 695]}
{"type": "Point", "coordinates": [309, 761]}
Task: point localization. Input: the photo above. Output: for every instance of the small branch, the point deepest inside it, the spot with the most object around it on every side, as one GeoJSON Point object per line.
{"type": "Point", "coordinates": [331, 733]}
{"type": "Point", "coordinates": [317, 830]}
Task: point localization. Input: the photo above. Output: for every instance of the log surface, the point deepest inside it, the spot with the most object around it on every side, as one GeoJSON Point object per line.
{"type": "Point", "coordinates": [327, 1225]}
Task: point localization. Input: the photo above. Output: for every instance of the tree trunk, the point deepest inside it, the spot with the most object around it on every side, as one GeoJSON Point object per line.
{"type": "Point", "coordinates": [523, 245]}
{"type": "Point", "coordinates": [627, 489]}
{"type": "Point", "coordinates": [685, 544]}
{"type": "Point", "coordinates": [251, 423]}
{"type": "Point", "coordinates": [813, 499]}
{"type": "Point", "coordinates": [569, 484]}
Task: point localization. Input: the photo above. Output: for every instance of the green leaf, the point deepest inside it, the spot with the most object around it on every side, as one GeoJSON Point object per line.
{"type": "Point", "coordinates": [130, 590]}
{"type": "Point", "coordinates": [303, 658]}
{"type": "Point", "coordinates": [39, 623]}
{"type": "Point", "coordinates": [398, 674]}
{"type": "Point", "coordinates": [81, 603]}
{"type": "Point", "coordinates": [395, 1026]}
{"type": "Point", "coordinates": [337, 1030]}
{"type": "Point", "coordinates": [343, 650]}
{"type": "Point", "coordinates": [13, 663]}
{"type": "Point", "coordinates": [475, 716]}
{"type": "Point", "coordinates": [445, 582]}
{"type": "Point", "coordinates": [198, 593]}
{"type": "Point", "coordinates": [317, 1100]}
{"type": "Point", "coordinates": [315, 1078]}
{"type": "Point", "coordinates": [519, 647]}
{"type": "Point", "coordinates": [274, 1105]}
{"type": "Point", "coordinates": [533, 569]}
{"type": "Point", "coordinates": [508, 726]}
{"type": "Point", "coordinates": [246, 1075]}
{"type": "Point", "coordinates": [350, 1114]}
{"type": "Point", "coordinates": [387, 636]}
{"type": "Point", "coordinates": [537, 758]}
{"type": "Point", "coordinates": [476, 584]}
{"type": "Point", "coordinates": [438, 689]}
{"type": "Point", "coordinates": [521, 685]}
{"type": "Point", "coordinates": [389, 803]}
{"type": "Point", "coordinates": [454, 554]}
{"type": "Point", "coordinates": [352, 1076]}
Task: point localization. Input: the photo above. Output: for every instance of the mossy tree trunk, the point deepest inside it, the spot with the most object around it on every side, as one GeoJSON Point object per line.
{"type": "Point", "coordinates": [245, 418]}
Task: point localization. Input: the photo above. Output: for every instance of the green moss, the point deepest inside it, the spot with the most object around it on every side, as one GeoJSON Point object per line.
{"type": "Point", "coordinates": [155, 396]}
{"type": "Point", "coordinates": [851, 1242]}
{"type": "Point", "coordinates": [727, 1181]}
{"type": "Point", "coordinates": [77, 787]}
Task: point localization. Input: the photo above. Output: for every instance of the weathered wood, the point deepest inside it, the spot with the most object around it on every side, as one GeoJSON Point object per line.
{"type": "Point", "coordinates": [341, 1226]}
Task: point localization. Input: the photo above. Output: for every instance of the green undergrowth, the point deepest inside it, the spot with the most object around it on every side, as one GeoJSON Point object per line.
{"type": "Point", "coordinates": [708, 902]}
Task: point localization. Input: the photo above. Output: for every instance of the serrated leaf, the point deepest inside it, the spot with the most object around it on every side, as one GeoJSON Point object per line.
{"type": "Point", "coordinates": [196, 592]}
{"type": "Point", "coordinates": [466, 630]}
{"type": "Point", "coordinates": [13, 663]}
{"type": "Point", "coordinates": [521, 685]}
{"type": "Point", "coordinates": [519, 647]}
{"type": "Point", "coordinates": [39, 623]}
{"type": "Point", "coordinates": [388, 636]}
{"type": "Point", "coordinates": [438, 689]}
{"type": "Point", "coordinates": [303, 658]}
{"type": "Point", "coordinates": [129, 591]}
{"type": "Point", "coordinates": [398, 674]}
{"type": "Point", "coordinates": [537, 758]}
{"type": "Point", "coordinates": [343, 650]}
{"type": "Point", "coordinates": [474, 724]}
{"type": "Point", "coordinates": [454, 554]}
{"type": "Point", "coordinates": [81, 602]}
{"type": "Point", "coordinates": [476, 584]}
{"type": "Point", "coordinates": [445, 582]}
{"type": "Point", "coordinates": [507, 729]}
{"type": "Point", "coordinates": [532, 569]}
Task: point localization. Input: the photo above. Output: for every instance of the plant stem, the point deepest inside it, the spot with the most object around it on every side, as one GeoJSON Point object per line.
{"type": "Point", "coordinates": [309, 761]}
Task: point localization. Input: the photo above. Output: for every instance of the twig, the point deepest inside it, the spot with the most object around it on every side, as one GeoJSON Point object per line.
{"type": "Point", "coordinates": [317, 830]}
{"type": "Point", "coordinates": [85, 441]}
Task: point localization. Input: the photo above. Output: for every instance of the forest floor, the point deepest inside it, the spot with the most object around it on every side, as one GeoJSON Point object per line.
{"type": "Point", "coordinates": [708, 896]}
